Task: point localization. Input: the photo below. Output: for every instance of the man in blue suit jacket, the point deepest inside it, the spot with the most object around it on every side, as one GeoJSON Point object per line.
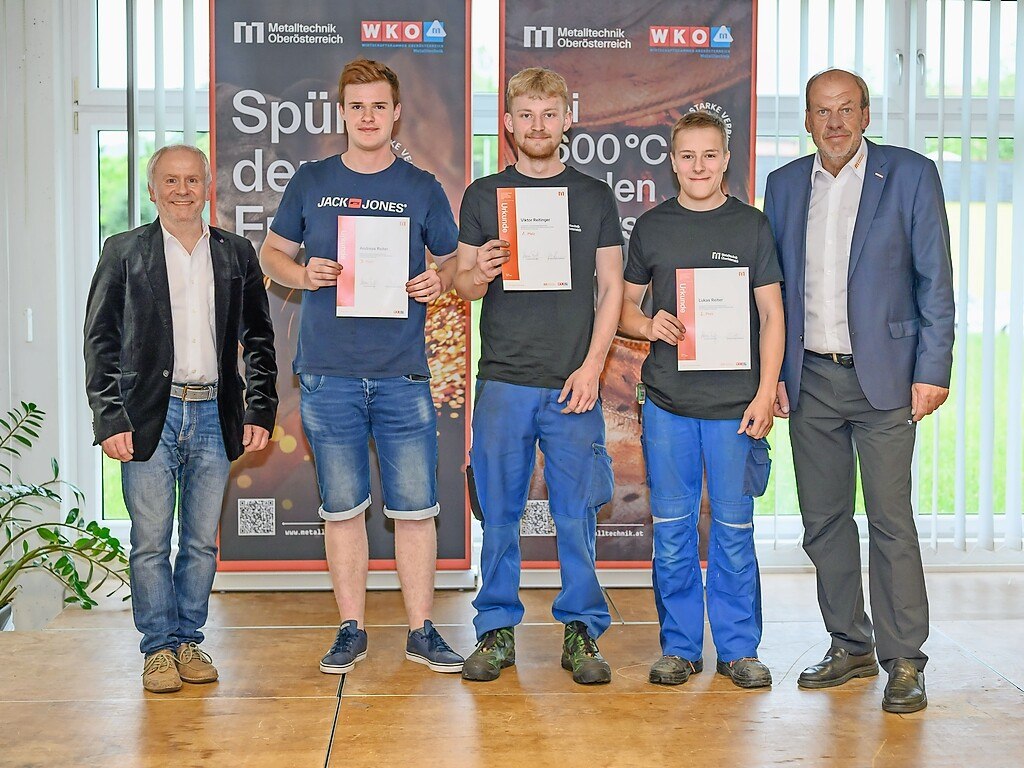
{"type": "Point", "coordinates": [863, 240]}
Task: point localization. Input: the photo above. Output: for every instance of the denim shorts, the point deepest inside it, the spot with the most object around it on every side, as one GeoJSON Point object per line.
{"type": "Point", "coordinates": [340, 415]}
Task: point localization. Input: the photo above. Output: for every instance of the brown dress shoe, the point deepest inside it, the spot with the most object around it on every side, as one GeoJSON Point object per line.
{"type": "Point", "coordinates": [904, 692]}
{"type": "Point", "coordinates": [160, 674]}
{"type": "Point", "coordinates": [838, 666]}
{"type": "Point", "coordinates": [195, 665]}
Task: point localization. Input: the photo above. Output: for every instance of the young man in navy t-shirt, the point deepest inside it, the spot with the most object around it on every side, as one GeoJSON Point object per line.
{"type": "Point", "coordinates": [367, 377]}
{"type": "Point", "coordinates": [707, 421]}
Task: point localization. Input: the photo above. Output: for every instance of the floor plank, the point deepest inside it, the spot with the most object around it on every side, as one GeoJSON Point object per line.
{"type": "Point", "coordinates": [272, 706]}
{"type": "Point", "coordinates": [169, 732]}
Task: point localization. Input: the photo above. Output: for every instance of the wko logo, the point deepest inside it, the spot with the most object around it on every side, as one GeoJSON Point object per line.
{"type": "Point", "coordinates": [248, 31]}
{"type": "Point", "coordinates": [690, 37]}
{"type": "Point", "coordinates": [402, 33]}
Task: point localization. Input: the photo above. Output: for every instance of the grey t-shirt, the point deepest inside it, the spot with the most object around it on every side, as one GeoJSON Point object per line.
{"type": "Point", "coordinates": [670, 237]}
{"type": "Point", "coordinates": [538, 338]}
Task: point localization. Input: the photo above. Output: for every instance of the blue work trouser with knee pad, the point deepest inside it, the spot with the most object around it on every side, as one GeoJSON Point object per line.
{"type": "Point", "coordinates": [509, 421]}
{"type": "Point", "coordinates": [677, 450]}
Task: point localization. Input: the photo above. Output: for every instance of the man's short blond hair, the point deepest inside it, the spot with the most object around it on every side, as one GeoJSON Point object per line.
{"type": "Point", "coordinates": [700, 119]}
{"type": "Point", "coordinates": [536, 82]}
{"type": "Point", "coordinates": [364, 71]}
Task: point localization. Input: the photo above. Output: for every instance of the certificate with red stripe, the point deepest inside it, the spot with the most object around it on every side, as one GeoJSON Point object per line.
{"type": "Point", "coordinates": [535, 223]}
{"type": "Point", "coordinates": [374, 255]}
{"type": "Point", "coordinates": [713, 306]}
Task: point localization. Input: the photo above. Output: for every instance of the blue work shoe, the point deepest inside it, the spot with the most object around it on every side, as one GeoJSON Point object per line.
{"type": "Point", "coordinates": [348, 648]}
{"type": "Point", "coordinates": [426, 646]}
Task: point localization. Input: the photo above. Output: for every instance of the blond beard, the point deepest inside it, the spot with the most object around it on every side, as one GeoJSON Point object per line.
{"type": "Point", "coordinates": [533, 155]}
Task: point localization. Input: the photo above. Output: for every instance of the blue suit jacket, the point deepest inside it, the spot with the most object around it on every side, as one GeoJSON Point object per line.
{"type": "Point", "coordinates": [900, 282]}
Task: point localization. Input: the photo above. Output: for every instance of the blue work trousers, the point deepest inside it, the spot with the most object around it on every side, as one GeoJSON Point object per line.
{"type": "Point", "coordinates": [677, 451]}
{"type": "Point", "coordinates": [509, 421]}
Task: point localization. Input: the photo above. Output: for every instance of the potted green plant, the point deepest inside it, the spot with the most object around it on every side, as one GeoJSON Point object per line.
{"type": "Point", "coordinates": [81, 554]}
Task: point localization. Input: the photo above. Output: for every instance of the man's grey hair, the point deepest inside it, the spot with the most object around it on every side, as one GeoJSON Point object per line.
{"type": "Point", "coordinates": [865, 97]}
{"type": "Point", "coordinates": [151, 165]}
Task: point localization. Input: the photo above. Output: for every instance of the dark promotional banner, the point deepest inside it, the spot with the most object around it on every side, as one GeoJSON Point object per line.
{"type": "Point", "coordinates": [273, 105]}
{"type": "Point", "coordinates": [633, 69]}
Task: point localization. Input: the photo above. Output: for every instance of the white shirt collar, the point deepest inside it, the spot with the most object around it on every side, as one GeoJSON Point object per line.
{"type": "Point", "coordinates": [857, 164]}
{"type": "Point", "coordinates": [168, 236]}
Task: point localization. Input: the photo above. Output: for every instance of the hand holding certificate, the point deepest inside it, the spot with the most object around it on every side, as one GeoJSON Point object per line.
{"type": "Point", "coordinates": [535, 223]}
{"type": "Point", "coordinates": [374, 255]}
{"type": "Point", "coordinates": [714, 307]}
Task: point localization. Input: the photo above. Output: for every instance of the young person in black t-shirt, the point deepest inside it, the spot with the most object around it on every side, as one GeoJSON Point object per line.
{"type": "Point", "coordinates": [541, 357]}
{"type": "Point", "coordinates": [697, 421]}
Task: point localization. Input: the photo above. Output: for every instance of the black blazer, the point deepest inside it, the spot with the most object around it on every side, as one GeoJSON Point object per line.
{"type": "Point", "coordinates": [129, 345]}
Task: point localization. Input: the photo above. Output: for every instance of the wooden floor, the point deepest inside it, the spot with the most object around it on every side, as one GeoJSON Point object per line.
{"type": "Point", "coordinates": [71, 694]}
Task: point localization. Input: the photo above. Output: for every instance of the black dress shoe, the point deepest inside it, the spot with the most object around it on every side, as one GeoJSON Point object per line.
{"type": "Point", "coordinates": [905, 690]}
{"type": "Point", "coordinates": [838, 667]}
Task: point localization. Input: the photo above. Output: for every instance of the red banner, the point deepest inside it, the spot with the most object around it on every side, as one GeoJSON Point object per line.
{"type": "Point", "coordinates": [273, 105]}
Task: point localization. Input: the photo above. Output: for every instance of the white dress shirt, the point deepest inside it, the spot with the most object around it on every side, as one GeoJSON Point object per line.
{"type": "Point", "coordinates": [831, 217]}
{"type": "Point", "coordinates": [193, 317]}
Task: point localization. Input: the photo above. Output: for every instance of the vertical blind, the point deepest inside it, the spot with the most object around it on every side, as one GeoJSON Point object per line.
{"type": "Point", "coordinates": [927, 62]}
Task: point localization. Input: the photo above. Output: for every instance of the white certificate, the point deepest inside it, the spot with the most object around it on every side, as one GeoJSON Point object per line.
{"type": "Point", "coordinates": [374, 255]}
{"type": "Point", "coordinates": [714, 307]}
{"type": "Point", "coordinates": [535, 223]}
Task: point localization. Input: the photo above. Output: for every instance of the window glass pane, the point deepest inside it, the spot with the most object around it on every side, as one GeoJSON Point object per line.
{"type": "Point", "coordinates": [485, 46]}
{"type": "Point", "coordinates": [485, 156]}
{"type": "Point", "coordinates": [954, 48]}
{"type": "Point", "coordinates": [112, 45]}
{"type": "Point", "coordinates": [779, 36]}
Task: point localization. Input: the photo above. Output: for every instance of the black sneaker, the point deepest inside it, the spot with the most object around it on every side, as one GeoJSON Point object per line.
{"type": "Point", "coordinates": [746, 673]}
{"type": "Point", "coordinates": [674, 670]}
{"type": "Point", "coordinates": [495, 651]}
{"type": "Point", "coordinates": [348, 648]}
{"type": "Point", "coordinates": [581, 656]}
{"type": "Point", "coordinates": [426, 646]}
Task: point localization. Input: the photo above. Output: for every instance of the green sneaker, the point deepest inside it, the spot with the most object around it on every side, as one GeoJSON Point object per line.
{"type": "Point", "coordinates": [495, 651]}
{"type": "Point", "coordinates": [581, 656]}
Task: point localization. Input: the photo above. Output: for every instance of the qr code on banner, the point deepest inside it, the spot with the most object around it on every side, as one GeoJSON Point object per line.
{"type": "Point", "coordinates": [257, 517]}
{"type": "Point", "coordinates": [537, 520]}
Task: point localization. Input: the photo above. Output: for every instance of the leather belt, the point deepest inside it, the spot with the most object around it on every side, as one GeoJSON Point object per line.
{"type": "Point", "coordinates": [844, 360]}
{"type": "Point", "coordinates": [194, 392]}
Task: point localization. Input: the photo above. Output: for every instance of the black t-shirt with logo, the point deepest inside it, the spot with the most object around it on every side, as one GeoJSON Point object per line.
{"type": "Point", "coordinates": [538, 338]}
{"type": "Point", "coordinates": [670, 237]}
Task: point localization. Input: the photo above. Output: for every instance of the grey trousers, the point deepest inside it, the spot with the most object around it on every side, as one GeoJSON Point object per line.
{"type": "Point", "coordinates": [833, 428]}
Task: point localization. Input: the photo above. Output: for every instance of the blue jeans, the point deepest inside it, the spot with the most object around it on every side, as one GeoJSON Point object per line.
{"type": "Point", "coordinates": [508, 422]}
{"type": "Point", "coordinates": [189, 463]}
{"type": "Point", "coordinates": [341, 414]}
{"type": "Point", "coordinates": [677, 451]}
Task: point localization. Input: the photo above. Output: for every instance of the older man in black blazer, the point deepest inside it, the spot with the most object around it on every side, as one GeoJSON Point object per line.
{"type": "Point", "coordinates": [169, 305]}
